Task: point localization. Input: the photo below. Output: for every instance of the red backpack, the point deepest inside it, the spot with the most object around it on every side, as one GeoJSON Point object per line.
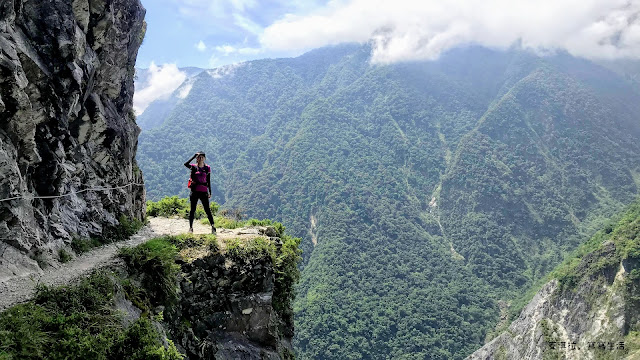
{"type": "Point", "coordinates": [192, 182]}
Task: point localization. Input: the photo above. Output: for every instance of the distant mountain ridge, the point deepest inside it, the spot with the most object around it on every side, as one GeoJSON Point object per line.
{"type": "Point", "coordinates": [628, 69]}
{"type": "Point", "coordinates": [425, 192]}
{"type": "Point", "coordinates": [158, 111]}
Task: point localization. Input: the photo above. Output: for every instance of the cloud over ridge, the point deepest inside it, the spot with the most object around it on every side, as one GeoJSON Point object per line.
{"type": "Point", "coordinates": [416, 30]}
{"type": "Point", "coordinates": [161, 83]}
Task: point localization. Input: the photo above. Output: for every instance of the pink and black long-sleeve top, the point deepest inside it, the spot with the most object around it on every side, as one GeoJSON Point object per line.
{"type": "Point", "coordinates": [200, 176]}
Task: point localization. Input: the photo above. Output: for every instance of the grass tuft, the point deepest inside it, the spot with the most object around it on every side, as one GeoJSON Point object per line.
{"type": "Point", "coordinates": [125, 228]}
{"type": "Point", "coordinates": [64, 256]}
{"type": "Point", "coordinates": [155, 261]}
{"type": "Point", "coordinates": [175, 206]}
{"type": "Point", "coordinates": [77, 322]}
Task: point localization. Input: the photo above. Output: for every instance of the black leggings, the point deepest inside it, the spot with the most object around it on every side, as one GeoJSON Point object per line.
{"type": "Point", "coordinates": [204, 197]}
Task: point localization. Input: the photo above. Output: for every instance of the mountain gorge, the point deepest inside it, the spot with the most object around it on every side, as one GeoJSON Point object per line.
{"type": "Point", "coordinates": [590, 307]}
{"type": "Point", "coordinates": [429, 195]}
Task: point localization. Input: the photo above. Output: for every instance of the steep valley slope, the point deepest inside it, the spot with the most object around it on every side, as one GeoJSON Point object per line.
{"type": "Point", "coordinates": [590, 309]}
{"type": "Point", "coordinates": [426, 193]}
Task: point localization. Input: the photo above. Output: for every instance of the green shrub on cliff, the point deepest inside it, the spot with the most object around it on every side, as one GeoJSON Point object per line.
{"type": "Point", "coordinates": [224, 222]}
{"type": "Point", "coordinates": [258, 247]}
{"type": "Point", "coordinates": [120, 232]}
{"type": "Point", "coordinates": [155, 261]}
{"type": "Point", "coordinates": [266, 222]}
{"type": "Point", "coordinates": [231, 223]}
{"type": "Point", "coordinates": [81, 322]}
{"type": "Point", "coordinates": [287, 275]}
{"type": "Point", "coordinates": [623, 230]}
{"type": "Point", "coordinates": [167, 206]}
{"type": "Point", "coordinates": [140, 342]}
{"type": "Point", "coordinates": [77, 322]}
{"type": "Point", "coordinates": [173, 205]}
{"type": "Point", "coordinates": [183, 241]}
{"type": "Point", "coordinates": [285, 259]}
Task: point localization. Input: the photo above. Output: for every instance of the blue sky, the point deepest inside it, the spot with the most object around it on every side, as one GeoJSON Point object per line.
{"type": "Point", "coordinates": [206, 33]}
{"type": "Point", "coordinates": [216, 33]}
{"type": "Point", "coordinates": [212, 33]}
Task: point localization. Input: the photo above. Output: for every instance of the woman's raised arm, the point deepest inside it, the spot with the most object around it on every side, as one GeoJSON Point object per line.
{"type": "Point", "coordinates": [188, 162]}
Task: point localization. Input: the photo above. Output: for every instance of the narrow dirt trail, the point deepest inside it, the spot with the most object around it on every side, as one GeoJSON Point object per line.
{"type": "Point", "coordinates": [21, 288]}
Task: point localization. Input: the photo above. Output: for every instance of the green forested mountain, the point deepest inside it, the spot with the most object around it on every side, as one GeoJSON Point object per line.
{"type": "Point", "coordinates": [628, 69]}
{"type": "Point", "coordinates": [425, 192]}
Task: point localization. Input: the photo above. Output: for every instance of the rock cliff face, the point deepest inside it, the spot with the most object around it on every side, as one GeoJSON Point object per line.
{"type": "Point", "coordinates": [228, 308]}
{"type": "Point", "coordinates": [591, 311]}
{"type": "Point", "coordinates": [550, 324]}
{"type": "Point", "coordinates": [224, 297]}
{"type": "Point", "coordinates": [66, 122]}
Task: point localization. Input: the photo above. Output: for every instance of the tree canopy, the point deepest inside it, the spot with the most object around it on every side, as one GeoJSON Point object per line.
{"type": "Point", "coordinates": [424, 192]}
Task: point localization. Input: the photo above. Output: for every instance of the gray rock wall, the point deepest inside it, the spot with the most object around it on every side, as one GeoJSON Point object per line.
{"type": "Point", "coordinates": [226, 310]}
{"type": "Point", "coordinates": [587, 322]}
{"type": "Point", "coordinates": [66, 122]}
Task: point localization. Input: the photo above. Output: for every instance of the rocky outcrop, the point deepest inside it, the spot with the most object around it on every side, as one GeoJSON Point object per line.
{"type": "Point", "coordinates": [587, 320]}
{"type": "Point", "coordinates": [66, 122]}
{"type": "Point", "coordinates": [227, 308]}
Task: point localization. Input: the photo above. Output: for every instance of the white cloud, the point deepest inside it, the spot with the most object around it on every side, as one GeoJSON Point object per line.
{"type": "Point", "coordinates": [162, 82]}
{"type": "Point", "coordinates": [242, 5]}
{"type": "Point", "coordinates": [247, 24]}
{"type": "Point", "coordinates": [227, 50]}
{"type": "Point", "coordinates": [411, 30]}
{"type": "Point", "coordinates": [249, 51]}
{"type": "Point", "coordinates": [185, 88]}
{"type": "Point", "coordinates": [201, 46]}
{"type": "Point", "coordinates": [205, 10]}
{"type": "Point", "coordinates": [225, 70]}
{"type": "Point", "coordinates": [215, 61]}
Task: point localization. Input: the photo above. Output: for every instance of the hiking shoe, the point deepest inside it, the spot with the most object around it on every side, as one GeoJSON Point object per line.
{"type": "Point", "coordinates": [190, 230]}
{"type": "Point", "coordinates": [213, 230]}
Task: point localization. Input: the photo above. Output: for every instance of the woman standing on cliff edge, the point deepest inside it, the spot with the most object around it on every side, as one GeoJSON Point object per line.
{"type": "Point", "coordinates": [200, 185]}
